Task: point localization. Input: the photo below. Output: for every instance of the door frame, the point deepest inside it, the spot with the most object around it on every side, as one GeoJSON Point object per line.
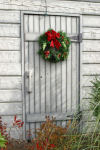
{"type": "Point", "coordinates": [23, 58]}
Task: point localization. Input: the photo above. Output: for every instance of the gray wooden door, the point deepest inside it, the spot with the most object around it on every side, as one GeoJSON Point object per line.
{"type": "Point", "coordinates": [50, 89]}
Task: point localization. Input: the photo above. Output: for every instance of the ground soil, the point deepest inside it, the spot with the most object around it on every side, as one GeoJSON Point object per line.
{"type": "Point", "coordinates": [16, 145]}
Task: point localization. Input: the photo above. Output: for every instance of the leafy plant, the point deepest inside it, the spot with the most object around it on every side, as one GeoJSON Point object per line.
{"type": "Point", "coordinates": [95, 98]}
{"type": "Point", "coordinates": [5, 137]}
{"type": "Point", "coordinates": [3, 128]}
{"type": "Point", "coordinates": [3, 141]}
{"type": "Point", "coordinates": [51, 136]}
{"type": "Point", "coordinates": [49, 133]}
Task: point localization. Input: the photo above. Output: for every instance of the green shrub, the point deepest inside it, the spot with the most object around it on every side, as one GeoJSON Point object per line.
{"type": "Point", "coordinates": [95, 98]}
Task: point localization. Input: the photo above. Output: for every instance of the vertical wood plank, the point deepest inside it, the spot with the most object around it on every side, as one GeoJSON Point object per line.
{"type": "Point", "coordinates": [74, 65]}
{"type": "Point", "coordinates": [42, 70]}
{"type": "Point", "coordinates": [53, 89]}
{"type": "Point", "coordinates": [69, 69]}
{"type": "Point", "coordinates": [26, 70]}
{"type": "Point", "coordinates": [77, 63]}
{"type": "Point", "coordinates": [31, 68]}
{"type": "Point", "coordinates": [68, 25]}
{"type": "Point", "coordinates": [37, 72]}
{"type": "Point", "coordinates": [58, 74]}
{"type": "Point", "coordinates": [64, 74]}
{"type": "Point", "coordinates": [47, 26]}
{"type": "Point", "coordinates": [74, 73]}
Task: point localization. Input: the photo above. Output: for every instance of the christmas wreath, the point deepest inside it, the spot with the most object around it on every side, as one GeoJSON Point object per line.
{"type": "Point", "coordinates": [54, 46]}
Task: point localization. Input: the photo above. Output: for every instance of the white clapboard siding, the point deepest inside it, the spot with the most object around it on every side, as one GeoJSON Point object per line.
{"type": "Point", "coordinates": [88, 116]}
{"type": "Point", "coordinates": [86, 80]}
{"type": "Point", "coordinates": [9, 16]}
{"type": "Point", "coordinates": [16, 134]}
{"type": "Point", "coordinates": [86, 92]}
{"type": "Point", "coordinates": [91, 33]}
{"type": "Point", "coordinates": [91, 57]}
{"type": "Point", "coordinates": [10, 57]}
{"type": "Point", "coordinates": [85, 104]}
{"type": "Point", "coordinates": [91, 45]}
{"type": "Point", "coordinates": [10, 83]}
{"type": "Point", "coordinates": [9, 43]}
{"type": "Point", "coordinates": [91, 69]}
{"type": "Point", "coordinates": [10, 95]}
{"type": "Point", "coordinates": [90, 61]}
{"type": "Point", "coordinates": [10, 30]}
{"type": "Point", "coordinates": [91, 21]}
{"type": "Point", "coordinates": [89, 126]}
{"type": "Point", "coordinates": [9, 120]}
{"type": "Point", "coordinates": [10, 108]}
{"type": "Point", "coordinates": [10, 69]}
{"type": "Point", "coordinates": [53, 6]}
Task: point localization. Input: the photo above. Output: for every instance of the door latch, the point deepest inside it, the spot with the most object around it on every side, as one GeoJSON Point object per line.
{"type": "Point", "coordinates": [29, 74]}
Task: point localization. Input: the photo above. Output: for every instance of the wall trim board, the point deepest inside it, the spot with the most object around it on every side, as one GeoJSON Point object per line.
{"type": "Point", "coordinates": [93, 1]}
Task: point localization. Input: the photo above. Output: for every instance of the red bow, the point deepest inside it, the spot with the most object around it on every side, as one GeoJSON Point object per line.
{"type": "Point", "coordinates": [52, 36]}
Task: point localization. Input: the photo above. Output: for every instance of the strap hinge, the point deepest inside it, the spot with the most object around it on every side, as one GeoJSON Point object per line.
{"type": "Point", "coordinates": [80, 37]}
{"type": "Point", "coordinates": [76, 38]}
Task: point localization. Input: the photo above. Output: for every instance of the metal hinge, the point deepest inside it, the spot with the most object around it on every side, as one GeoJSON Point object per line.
{"type": "Point", "coordinates": [29, 75]}
{"type": "Point", "coordinates": [76, 115]}
{"type": "Point", "coordinates": [76, 38]}
{"type": "Point", "coordinates": [80, 37]}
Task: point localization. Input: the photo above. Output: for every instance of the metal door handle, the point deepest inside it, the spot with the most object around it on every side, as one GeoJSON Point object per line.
{"type": "Point", "coordinates": [29, 74]}
{"type": "Point", "coordinates": [30, 81]}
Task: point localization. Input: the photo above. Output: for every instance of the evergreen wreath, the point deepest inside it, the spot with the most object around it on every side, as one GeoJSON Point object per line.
{"type": "Point", "coordinates": [54, 46]}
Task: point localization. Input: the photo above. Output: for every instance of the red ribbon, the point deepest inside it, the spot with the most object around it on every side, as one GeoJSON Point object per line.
{"type": "Point", "coordinates": [52, 36]}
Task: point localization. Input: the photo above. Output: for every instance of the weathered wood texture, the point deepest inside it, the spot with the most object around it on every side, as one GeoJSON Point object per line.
{"type": "Point", "coordinates": [10, 67]}
{"type": "Point", "coordinates": [11, 82]}
{"type": "Point", "coordinates": [10, 108]}
{"type": "Point", "coordinates": [9, 16]}
{"type": "Point", "coordinates": [9, 120]}
{"type": "Point", "coordinates": [53, 6]}
{"type": "Point", "coordinates": [90, 62]}
{"type": "Point", "coordinates": [56, 83]}
{"type": "Point", "coordinates": [94, 1]}
{"type": "Point", "coordinates": [10, 96]}
{"type": "Point", "coordinates": [10, 53]}
{"type": "Point", "coordinates": [41, 117]}
{"type": "Point", "coordinates": [10, 30]}
{"type": "Point", "coordinates": [9, 43]}
{"type": "Point", "coordinates": [10, 57]}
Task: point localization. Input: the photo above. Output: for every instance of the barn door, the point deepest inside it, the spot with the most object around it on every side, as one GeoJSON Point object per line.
{"type": "Point", "coordinates": [50, 89]}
